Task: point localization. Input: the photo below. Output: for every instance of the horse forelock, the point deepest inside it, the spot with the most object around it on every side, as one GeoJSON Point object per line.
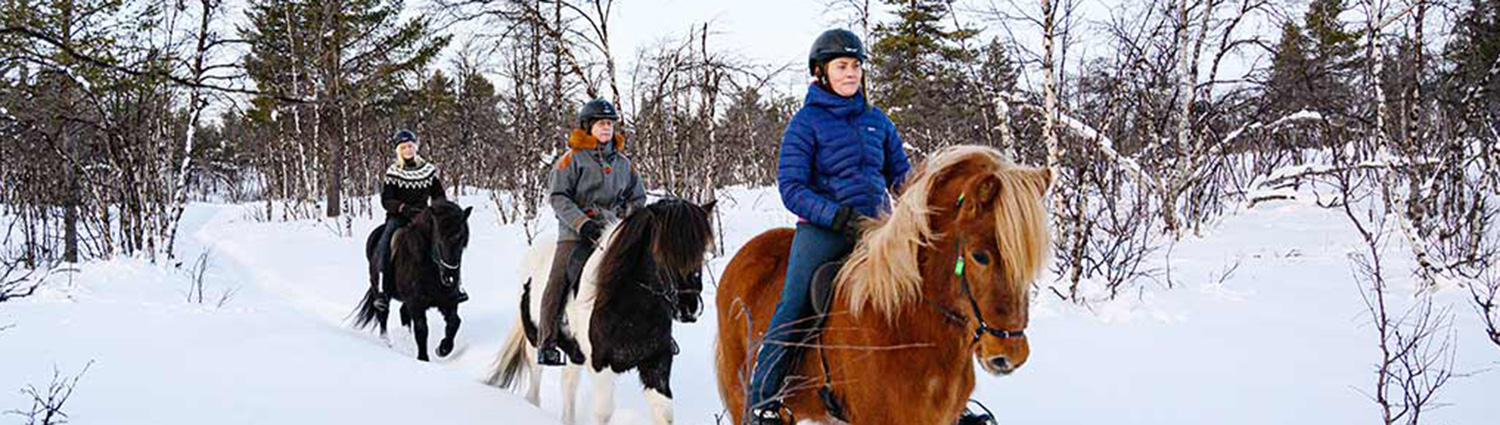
{"type": "Point", "coordinates": [682, 235]}
{"type": "Point", "coordinates": [883, 272]}
{"type": "Point", "coordinates": [1021, 230]}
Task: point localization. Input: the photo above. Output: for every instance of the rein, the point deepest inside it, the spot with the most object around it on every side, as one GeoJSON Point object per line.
{"type": "Point", "coordinates": [836, 407]}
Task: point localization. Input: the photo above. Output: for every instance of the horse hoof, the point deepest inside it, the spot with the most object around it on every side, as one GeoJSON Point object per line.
{"type": "Point", "coordinates": [423, 358]}
{"type": "Point", "coordinates": [445, 348]}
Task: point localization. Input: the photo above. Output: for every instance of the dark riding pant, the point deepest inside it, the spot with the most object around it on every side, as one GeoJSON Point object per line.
{"type": "Point", "coordinates": [812, 246]}
{"type": "Point", "coordinates": [567, 265]}
{"type": "Point", "coordinates": [383, 249]}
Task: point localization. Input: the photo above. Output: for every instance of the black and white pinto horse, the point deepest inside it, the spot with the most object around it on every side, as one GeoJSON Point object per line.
{"type": "Point", "coordinates": [426, 260]}
{"type": "Point", "coordinates": [649, 273]}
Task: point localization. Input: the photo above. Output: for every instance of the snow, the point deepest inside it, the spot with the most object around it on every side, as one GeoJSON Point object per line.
{"type": "Point", "coordinates": [1283, 339]}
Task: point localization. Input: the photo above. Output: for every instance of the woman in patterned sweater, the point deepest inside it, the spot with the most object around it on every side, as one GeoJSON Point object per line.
{"type": "Point", "coordinates": [410, 184]}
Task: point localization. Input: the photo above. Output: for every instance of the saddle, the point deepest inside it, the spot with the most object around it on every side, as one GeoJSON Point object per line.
{"type": "Point", "coordinates": [395, 242]}
{"type": "Point", "coordinates": [821, 291]}
{"type": "Point", "coordinates": [389, 271]}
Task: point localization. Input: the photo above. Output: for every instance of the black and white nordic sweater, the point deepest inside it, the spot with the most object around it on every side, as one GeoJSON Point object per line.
{"type": "Point", "coordinates": [409, 185]}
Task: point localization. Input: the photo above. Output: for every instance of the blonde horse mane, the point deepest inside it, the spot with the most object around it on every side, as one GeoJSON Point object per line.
{"type": "Point", "coordinates": [883, 271]}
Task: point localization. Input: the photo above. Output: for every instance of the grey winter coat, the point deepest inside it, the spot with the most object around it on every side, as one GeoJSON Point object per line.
{"type": "Point", "coordinates": [593, 182]}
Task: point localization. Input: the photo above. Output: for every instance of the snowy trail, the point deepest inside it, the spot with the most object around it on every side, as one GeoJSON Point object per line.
{"type": "Point", "coordinates": [1284, 339]}
{"type": "Point", "coordinates": [263, 358]}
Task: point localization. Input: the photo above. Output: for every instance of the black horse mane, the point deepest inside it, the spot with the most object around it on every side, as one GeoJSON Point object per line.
{"type": "Point", "coordinates": [674, 232]}
{"type": "Point", "coordinates": [440, 209]}
{"type": "Point", "coordinates": [419, 231]}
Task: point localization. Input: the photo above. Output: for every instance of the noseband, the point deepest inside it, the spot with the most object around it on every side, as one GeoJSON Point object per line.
{"type": "Point", "coordinates": [669, 291]}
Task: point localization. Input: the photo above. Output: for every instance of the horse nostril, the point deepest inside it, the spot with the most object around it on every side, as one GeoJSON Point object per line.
{"type": "Point", "coordinates": [1000, 363]}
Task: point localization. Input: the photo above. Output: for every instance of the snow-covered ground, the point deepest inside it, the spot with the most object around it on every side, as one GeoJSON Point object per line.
{"type": "Point", "coordinates": [1283, 339]}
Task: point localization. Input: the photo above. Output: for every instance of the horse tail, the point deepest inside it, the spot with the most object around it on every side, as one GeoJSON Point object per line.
{"type": "Point", "coordinates": [512, 364]}
{"type": "Point", "coordinates": [366, 314]}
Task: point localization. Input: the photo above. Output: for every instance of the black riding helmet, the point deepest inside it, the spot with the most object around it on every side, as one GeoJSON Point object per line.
{"type": "Point", "coordinates": [403, 136]}
{"type": "Point", "coordinates": [834, 44]}
{"type": "Point", "coordinates": [594, 110]}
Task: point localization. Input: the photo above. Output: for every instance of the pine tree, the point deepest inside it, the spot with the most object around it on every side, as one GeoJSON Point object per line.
{"type": "Point", "coordinates": [1331, 56]}
{"type": "Point", "coordinates": [1287, 90]}
{"type": "Point", "coordinates": [998, 72]}
{"type": "Point", "coordinates": [919, 73]}
{"type": "Point", "coordinates": [344, 57]}
{"type": "Point", "coordinates": [1475, 55]}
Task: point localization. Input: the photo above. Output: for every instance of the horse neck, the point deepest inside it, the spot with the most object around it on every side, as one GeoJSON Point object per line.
{"type": "Point", "coordinates": [420, 229]}
{"type": "Point", "coordinates": [635, 269]}
{"type": "Point", "coordinates": [921, 322]}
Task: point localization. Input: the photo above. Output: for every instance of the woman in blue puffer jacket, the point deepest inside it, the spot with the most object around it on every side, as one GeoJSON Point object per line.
{"type": "Point", "coordinates": [840, 159]}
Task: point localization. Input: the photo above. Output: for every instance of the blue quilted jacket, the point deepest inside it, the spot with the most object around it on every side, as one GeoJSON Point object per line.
{"type": "Point", "coordinates": [839, 152]}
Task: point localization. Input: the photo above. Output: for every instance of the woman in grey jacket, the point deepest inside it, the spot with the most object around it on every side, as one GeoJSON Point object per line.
{"type": "Point", "coordinates": [592, 185]}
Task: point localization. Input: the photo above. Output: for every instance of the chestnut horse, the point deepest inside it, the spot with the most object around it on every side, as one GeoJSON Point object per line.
{"type": "Point", "coordinates": [945, 277]}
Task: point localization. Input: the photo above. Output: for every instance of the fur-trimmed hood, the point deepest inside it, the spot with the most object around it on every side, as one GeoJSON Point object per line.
{"type": "Point", "coordinates": [580, 139]}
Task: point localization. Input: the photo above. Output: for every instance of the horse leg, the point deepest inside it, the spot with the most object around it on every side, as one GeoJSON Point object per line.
{"type": "Point", "coordinates": [656, 377]}
{"type": "Point", "coordinates": [603, 385]}
{"type": "Point", "coordinates": [451, 319]}
{"type": "Point", "coordinates": [570, 394]}
{"type": "Point", "coordinates": [534, 386]}
{"type": "Point", "coordinates": [383, 317]}
{"type": "Point", "coordinates": [418, 315]}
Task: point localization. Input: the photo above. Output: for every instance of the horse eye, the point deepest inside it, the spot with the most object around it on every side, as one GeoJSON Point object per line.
{"type": "Point", "coordinates": [981, 258]}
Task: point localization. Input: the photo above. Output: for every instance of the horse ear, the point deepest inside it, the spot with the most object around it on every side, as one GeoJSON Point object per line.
{"type": "Point", "coordinates": [985, 191]}
{"type": "Point", "coordinates": [1044, 178]}
{"type": "Point", "coordinates": [467, 211]}
{"type": "Point", "coordinates": [709, 207]}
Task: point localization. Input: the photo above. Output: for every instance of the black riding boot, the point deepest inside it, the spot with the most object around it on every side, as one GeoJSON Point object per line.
{"type": "Point", "coordinates": [549, 355]}
{"type": "Point", "coordinates": [457, 292]}
{"type": "Point", "coordinates": [971, 418]}
{"type": "Point", "coordinates": [767, 414]}
{"type": "Point", "coordinates": [383, 263]}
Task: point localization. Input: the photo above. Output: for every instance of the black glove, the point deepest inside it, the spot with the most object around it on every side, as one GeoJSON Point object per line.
{"type": "Point", "coordinates": [591, 231]}
{"type": "Point", "coordinates": [849, 222]}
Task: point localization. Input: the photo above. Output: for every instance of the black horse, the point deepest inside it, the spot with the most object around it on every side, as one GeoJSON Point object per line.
{"type": "Point", "coordinates": [426, 260]}
{"type": "Point", "coordinates": [649, 274]}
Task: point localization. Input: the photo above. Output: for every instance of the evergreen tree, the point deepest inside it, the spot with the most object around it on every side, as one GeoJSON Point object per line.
{"type": "Point", "coordinates": [1287, 89]}
{"type": "Point", "coordinates": [1474, 54]}
{"type": "Point", "coordinates": [1332, 57]}
{"type": "Point", "coordinates": [920, 75]}
{"type": "Point", "coordinates": [346, 58]}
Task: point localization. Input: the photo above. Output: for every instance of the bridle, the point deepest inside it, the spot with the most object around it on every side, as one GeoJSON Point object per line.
{"type": "Point", "coordinates": [438, 256]}
{"type": "Point", "coordinates": [670, 292]}
{"type": "Point", "coordinates": [983, 328]}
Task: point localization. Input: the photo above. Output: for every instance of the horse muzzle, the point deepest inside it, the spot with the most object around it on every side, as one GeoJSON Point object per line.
{"type": "Point", "coordinates": [687, 316]}
{"type": "Point", "coordinates": [999, 365]}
